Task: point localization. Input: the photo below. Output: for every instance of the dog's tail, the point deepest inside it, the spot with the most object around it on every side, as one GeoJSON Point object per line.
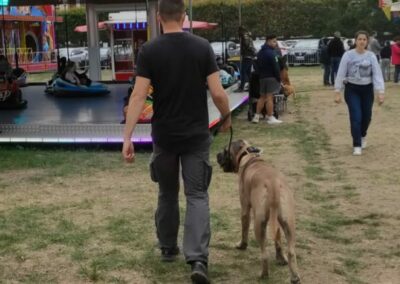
{"type": "Point", "coordinates": [273, 212]}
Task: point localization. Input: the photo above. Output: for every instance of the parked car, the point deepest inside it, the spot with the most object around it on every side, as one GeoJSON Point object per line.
{"type": "Point", "coordinates": [291, 42]}
{"type": "Point", "coordinates": [220, 46]}
{"type": "Point", "coordinates": [76, 54]}
{"type": "Point", "coordinates": [80, 55]}
{"type": "Point", "coordinates": [305, 52]}
{"type": "Point", "coordinates": [105, 56]}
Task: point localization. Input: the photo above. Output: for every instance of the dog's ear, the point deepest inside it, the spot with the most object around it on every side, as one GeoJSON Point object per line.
{"type": "Point", "coordinates": [237, 146]}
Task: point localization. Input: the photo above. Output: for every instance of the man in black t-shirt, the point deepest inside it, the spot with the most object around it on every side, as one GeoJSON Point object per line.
{"type": "Point", "coordinates": [178, 65]}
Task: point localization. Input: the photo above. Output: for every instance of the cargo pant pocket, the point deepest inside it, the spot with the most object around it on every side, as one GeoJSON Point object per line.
{"type": "Point", "coordinates": [153, 171]}
{"type": "Point", "coordinates": [207, 174]}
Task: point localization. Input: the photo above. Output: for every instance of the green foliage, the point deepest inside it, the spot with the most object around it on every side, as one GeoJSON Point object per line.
{"type": "Point", "coordinates": [293, 18]}
{"type": "Point", "coordinates": [73, 18]}
{"type": "Point", "coordinates": [285, 18]}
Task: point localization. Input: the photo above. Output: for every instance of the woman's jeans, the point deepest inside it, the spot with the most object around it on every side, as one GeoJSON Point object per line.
{"type": "Point", "coordinates": [396, 73]}
{"type": "Point", "coordinates": [359, 99]}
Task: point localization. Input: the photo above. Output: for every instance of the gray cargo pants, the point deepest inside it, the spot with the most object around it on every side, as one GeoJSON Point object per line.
{"type": "Point", "coordinates": [196, 174]}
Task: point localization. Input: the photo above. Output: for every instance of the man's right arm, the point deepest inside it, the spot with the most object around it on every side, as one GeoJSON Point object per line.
{"type": "Point", "coordinates": [220, 98]}
{"type": "Point", "coordinates": [135, 108]}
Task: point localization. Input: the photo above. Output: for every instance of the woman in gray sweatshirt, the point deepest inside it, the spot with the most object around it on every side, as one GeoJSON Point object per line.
{"type": "Point", "coordinates": [359, 74]}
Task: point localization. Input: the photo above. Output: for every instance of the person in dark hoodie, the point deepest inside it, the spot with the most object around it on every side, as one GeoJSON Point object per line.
{"type": "Point", "coordinates": [325, 61]}
{"type": "Point", "coordinates": [270, 80]}
{"type": "Point", "coordinates": [247, 52]}
{"type": "Point", "coordinates": [335, 51]}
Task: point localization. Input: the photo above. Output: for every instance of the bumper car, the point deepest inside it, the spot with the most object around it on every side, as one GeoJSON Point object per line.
{"type": "Point", "coordinates": [21, 76]}
{"type": "Point", "coordinates": [10, 94]}
{"type": "Point", "coordinates": [147, 112]}
{"type": "Point", "coordinates": [61, 87]}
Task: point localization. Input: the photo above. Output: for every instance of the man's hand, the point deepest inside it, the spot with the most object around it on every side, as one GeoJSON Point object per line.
{"type": "Point", "coordinates": [227, 124]}
{"type": "Point", "coordinates": [381, 99]}
{"type": "Point", "coordinates": [128, 151]}
{"type": "Point", "coordinates": [338, 98]}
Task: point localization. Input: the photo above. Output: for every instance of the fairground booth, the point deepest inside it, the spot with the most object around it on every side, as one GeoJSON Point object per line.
{"type": "Point", "coordinates": [129, 30]}
{"type": "Point", "coordinates": [28, 32]}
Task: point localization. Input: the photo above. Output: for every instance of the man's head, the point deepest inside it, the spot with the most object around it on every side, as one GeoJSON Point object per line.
{"type": "Point", "coordinates": [271, 40]}
{"type": "Point", "coordinates": [241, 30]}
{"type": "Point", "coordinates": [336, 34]}
{"type": "Point", "coordinates": [171, 10]}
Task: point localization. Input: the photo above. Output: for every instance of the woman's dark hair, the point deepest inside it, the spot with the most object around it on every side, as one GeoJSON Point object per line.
{"type": "Point", "coordinates": [171, 10]}
{"type": "Point", "coordinates": [361, 33]}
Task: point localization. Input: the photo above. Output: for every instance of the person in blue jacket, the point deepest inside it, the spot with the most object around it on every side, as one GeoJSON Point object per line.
{"type": "Point", "coordinates": [270, 79]}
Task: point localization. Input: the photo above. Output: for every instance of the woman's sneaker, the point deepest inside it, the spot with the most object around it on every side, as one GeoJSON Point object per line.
{"type": "Point", "coordinates": [364, 142]}
{"type": "Point", "coordinates": [273, 120]}
{"type": "Point", "coordinates": [357, 151]}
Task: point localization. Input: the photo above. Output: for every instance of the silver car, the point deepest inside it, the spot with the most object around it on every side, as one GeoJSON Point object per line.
{"type": "Point", "coordinates": [305, 52]}
{"type": "Point", "coordinates": [220, 46]}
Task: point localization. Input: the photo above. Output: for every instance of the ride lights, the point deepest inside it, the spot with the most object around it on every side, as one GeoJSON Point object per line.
{"type": "Point", "coordinates": [130, 26]}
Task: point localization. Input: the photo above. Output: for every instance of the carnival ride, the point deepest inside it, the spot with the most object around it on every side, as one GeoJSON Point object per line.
{"type": "Point", "coordinates": [10, 93]}
{"type": "Point", "coordinates": [88, 119]}
{"type": "Point", "coordinates": [61, 87]}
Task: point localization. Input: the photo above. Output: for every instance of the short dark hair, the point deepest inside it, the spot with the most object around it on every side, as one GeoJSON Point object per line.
{"type": "Point", "coordinates": [270, 36]}
{"type": "Point", "coordinates": [171, 10]}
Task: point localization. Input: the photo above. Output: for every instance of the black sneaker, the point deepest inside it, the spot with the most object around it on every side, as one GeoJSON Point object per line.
{"type": "Point", "coordinates": [199, 273]}
{"type": "Point", "coordinates": [169, 254]}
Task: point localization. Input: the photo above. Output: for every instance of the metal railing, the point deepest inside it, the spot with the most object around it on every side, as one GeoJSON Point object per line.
{"type": "Point", "coordinates": [28, 56]}
{"type": "Point", "coordinates": [303, 56]}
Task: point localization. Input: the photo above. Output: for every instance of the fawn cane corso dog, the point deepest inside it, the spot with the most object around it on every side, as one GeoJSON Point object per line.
{"type": "Point", "coordinates": [263, 190]}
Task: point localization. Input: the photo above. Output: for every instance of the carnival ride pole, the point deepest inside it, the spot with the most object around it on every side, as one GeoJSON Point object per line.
{"type": "Point", "coordinates": [191, 15]}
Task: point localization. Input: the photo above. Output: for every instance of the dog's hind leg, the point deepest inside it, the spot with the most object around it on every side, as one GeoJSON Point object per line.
{"type": "Point", "coordinates": [260, 230]}
{"type": "Point", "coordinates": [280, 258]}
{"type": "Point", "coordinates": [288, 227]}
{"type": "Point", "coordinates": [245, 218]}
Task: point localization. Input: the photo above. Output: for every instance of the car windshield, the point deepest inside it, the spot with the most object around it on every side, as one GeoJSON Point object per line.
{"type": "Point", "coordinates": [307, 44]}
{"type": "Point", "coordinates": [258, 43]}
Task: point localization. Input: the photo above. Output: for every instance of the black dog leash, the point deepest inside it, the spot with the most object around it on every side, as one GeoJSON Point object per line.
{"type": "Point", "coordinates": [216, 131]}
{"type": "Point", "coordinates": [218, 126]}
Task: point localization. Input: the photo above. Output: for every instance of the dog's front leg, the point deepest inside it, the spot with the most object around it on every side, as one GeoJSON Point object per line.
{"type": "Point", "coordinates": [245, 219]}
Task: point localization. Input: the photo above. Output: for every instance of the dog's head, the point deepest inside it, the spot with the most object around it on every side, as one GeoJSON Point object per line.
{"type": "Point", "coordinates": [229, 159]}
{"type": "Point", "coordinates": [288, 90]}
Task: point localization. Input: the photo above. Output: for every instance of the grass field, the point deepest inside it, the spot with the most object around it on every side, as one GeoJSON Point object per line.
{"type": "Point", "coordinates": [80, 215]}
